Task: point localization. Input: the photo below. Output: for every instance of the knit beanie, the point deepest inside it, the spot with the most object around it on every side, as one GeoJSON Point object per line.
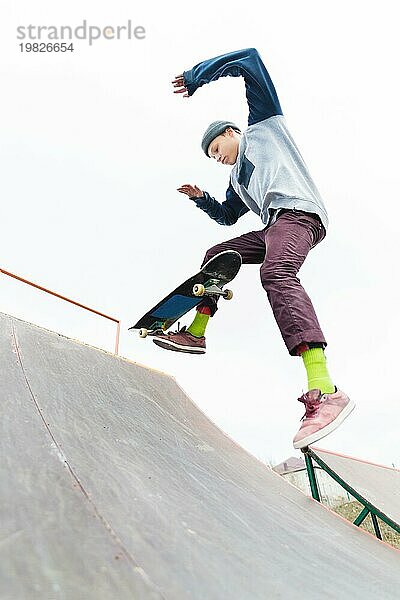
{"type": "Point", "coordinates": [214, 130]}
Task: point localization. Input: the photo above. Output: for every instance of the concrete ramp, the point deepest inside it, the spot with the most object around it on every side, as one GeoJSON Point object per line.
{"type": "Point", "coordinates": [115, 486]}
{"type": "Point", "coordinates": [376, 484]}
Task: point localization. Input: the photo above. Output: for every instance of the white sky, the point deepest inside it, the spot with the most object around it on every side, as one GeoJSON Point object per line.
{"type": "Point", "coordinates": [94, 145]}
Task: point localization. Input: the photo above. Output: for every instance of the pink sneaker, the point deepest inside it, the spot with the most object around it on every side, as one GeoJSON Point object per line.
{"type": "Point", "coordinates": [324, 413]}
{"type": "Point", "coordinates": [181, 341]}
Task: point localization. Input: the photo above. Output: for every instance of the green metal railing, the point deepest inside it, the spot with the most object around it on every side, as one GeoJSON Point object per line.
{"type": "Point", "coordinates": [375, 513]}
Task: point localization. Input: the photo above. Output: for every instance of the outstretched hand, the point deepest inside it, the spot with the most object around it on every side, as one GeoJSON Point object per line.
{"type": "Point", "coordinates": [179, 83]}
{"type": "Point", "coordinates": [191, 190]}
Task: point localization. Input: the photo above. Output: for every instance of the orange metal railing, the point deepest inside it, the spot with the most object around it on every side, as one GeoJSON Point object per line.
{"type": "Point", "coordinates": [92, 310]}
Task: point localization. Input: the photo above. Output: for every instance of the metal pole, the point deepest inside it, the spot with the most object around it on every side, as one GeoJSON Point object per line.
{"type": "Point", "coordinates": [363, 515]}
{"type": "Point", "coordinates": [376, 526]}
{"type": "Point", "coordinates": [312, 478]}
{"type": "Point", "coordinates": [117, 337]}
{"type": "Point", "coordinates": [74, 302]}
{"type": "Point", "coordinates": [43, 289]}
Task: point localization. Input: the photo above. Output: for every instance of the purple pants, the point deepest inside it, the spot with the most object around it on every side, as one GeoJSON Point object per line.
{"type": "Point", "coordinates": [281, 250]}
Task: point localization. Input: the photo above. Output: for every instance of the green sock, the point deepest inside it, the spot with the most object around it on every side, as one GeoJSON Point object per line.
{"type": "Point", "coordinates": [317, 371]}
{"type": "Point", "coordinates": [198, 327]}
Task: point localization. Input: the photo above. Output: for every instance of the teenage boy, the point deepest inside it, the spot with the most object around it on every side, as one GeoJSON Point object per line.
{"type": "Point", "coordinates": [269, 177]}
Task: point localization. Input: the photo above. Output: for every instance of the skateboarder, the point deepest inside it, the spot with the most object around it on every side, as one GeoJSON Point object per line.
{"type": "Point", "coordinates": [269, 177]}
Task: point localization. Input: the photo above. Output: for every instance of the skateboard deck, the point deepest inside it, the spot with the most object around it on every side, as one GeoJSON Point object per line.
{"type": "Point", "coordinates": [210, 280]}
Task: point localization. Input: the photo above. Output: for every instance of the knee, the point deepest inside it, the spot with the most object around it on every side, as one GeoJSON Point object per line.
{"type": "Point", "coordinates": [211, 253]}
{"type": "Point", "coordinates": [272, 274]}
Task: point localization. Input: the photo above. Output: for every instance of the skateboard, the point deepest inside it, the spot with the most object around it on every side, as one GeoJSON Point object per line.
{"type": "Point", "coordinates": [209, 281]}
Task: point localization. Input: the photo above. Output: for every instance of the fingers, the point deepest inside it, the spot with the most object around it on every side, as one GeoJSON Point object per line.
{"type": "Point", "coordinates": [179, 82]}
{"type": "Point", "coordinates": [182, 91]}
{"type": "Point", "coordinates": [190, 190]}
{"type": "Point", "coordinates": [186, 189]}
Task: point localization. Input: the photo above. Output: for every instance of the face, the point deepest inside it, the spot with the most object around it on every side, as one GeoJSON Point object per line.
{"type": "Point", "coordinates": [225, 148]}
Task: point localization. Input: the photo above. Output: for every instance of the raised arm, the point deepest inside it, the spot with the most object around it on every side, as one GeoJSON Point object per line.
{"type": "Point", "coordinates": [261, 96]}
{"type": "Point", "coordinates": [226, 213]}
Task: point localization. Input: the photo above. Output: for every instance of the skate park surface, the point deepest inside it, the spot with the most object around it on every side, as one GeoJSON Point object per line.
{"type": "Point", "coordinates": [115, 485]}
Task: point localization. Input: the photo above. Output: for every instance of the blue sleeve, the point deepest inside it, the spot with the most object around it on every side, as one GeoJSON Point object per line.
{"type": "Point", "coordinates": [260, 92]}
{"type": "Point", "coordinates": [226, 213]}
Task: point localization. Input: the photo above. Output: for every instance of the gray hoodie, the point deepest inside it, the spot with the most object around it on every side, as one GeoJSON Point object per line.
{"type": "Point", "coordinates": [269, 173]}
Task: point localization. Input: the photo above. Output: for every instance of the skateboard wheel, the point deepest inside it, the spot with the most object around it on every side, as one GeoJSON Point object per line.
{"type": "Point", "coordinates": [199, 289]}
{"type": "Point", "coordinates": [228, 295]}
{"type": "Point", "coordinates": [143, 332]}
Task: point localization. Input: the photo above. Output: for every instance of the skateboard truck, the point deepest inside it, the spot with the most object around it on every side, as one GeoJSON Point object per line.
{"type": "Point", "coordinates": [211, 290]}
{"type": "Point", "coordinates": [143, 332]}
